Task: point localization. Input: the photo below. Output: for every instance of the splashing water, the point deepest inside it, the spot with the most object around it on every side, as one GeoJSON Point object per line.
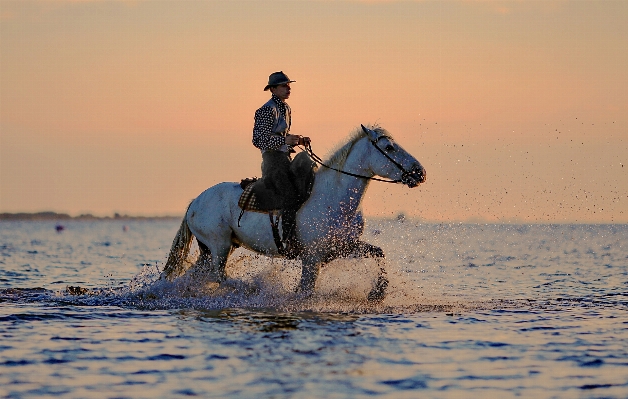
{"type": "Point", "coordinates": [259, 282]}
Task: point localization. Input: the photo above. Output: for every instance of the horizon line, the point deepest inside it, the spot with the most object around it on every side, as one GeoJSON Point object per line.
{"type": "Point", "coordinates": [400, 217]}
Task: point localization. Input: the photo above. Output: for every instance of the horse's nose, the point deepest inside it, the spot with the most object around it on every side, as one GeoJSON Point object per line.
{"type": "Point", "coordinates": [423, 175]}
{"type": "Point", "coordinates": [414, 177]}
{"type": "Point", "coordinates": [418, 172]}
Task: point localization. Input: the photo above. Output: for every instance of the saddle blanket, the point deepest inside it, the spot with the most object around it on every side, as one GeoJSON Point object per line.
{"type": "Point", "coordinates": [248, 200]}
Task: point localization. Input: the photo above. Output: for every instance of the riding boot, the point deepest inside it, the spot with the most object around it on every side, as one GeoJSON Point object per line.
{"type": "Point", "coordinates": [289, 223]}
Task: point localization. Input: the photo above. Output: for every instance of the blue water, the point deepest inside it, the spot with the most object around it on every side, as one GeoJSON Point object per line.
{"type": "Point", "coordinates": [493, 311]}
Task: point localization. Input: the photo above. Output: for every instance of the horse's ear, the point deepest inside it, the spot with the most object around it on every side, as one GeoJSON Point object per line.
{"type": "Point", "coordinates": [372, 134]}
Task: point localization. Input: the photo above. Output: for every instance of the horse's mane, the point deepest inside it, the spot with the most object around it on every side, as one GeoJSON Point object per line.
{"type": "Point", "coordinates": [341, 152]}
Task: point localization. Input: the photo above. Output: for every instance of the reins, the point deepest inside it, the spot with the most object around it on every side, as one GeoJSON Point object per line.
{"type": "Point", "coordinates": [319, 161]}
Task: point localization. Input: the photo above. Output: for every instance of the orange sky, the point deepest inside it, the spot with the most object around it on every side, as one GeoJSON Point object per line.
{"type": "Point", "coordinates": [518, 110]}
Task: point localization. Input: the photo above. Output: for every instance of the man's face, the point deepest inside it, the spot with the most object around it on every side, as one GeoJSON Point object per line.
{"type": "Point", "coordinates": [281, 91]}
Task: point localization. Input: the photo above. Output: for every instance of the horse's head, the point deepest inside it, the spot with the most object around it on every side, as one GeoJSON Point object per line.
{"type": "Point", "coordinates": [390, 160]}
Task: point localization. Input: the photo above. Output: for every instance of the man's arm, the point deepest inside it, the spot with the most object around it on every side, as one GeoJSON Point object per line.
{"type": "Point", "coordinates": [263, 137]}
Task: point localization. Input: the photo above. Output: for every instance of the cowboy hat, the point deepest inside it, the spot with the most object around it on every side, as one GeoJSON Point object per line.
{"type": "Point", "coordinates": [276, 79]}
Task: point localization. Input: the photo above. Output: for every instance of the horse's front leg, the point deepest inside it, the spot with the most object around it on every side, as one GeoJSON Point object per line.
{"type": "Point", "coordinates": [365, 250]}
{"type": "Point", "coordinates": [378, 292]}
{"type": "Point", "coordinates": [310, 269]}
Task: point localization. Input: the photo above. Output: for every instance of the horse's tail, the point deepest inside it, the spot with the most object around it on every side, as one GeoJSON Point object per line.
{"type": "Point", "coordinates": [175, 265]}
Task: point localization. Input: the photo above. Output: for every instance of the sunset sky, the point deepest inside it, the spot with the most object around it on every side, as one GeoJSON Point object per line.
{"type": "Point", "coordinates": [517, 110]}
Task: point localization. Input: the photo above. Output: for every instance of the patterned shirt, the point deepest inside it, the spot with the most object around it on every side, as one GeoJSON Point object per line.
{"type": "Point", "coordinates": [263, 137]}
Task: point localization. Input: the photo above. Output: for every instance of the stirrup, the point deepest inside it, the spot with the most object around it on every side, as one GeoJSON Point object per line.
{"type": "Point", "coordinates": [290, 247]}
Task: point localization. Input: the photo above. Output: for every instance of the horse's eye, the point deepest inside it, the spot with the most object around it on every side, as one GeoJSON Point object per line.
{"type": "Point", "coordinates": [390, 147]}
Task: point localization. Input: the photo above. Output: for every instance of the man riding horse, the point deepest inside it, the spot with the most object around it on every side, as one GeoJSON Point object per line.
{"type": "Point", "coordinates": [329, 223]}
{"type": "Point", "coordinates": [271, 134]}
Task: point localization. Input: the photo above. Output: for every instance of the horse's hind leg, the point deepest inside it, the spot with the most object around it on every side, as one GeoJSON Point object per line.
{"type": "Point", "coordinates": [204, 261]}
{"type": "Point", "coordinates": [220, 253]}
{"type": "Point", "coordinates": [213, 259]}
{"type": "Point", "coordinates": [220, 262]}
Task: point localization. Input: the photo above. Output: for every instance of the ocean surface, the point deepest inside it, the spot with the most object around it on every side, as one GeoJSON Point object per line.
{"type": "Point", "coordinates": [473, 310]}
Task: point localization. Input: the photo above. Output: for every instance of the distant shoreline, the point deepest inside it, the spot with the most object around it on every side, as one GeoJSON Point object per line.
{"type": "Point", "coordinates": [54, 216]}
{"type": "Point", "coordinates": [59, 217]}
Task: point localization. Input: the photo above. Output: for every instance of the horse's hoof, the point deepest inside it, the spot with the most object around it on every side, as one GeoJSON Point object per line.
{"type": "Point", "coordinates": [378, 293]}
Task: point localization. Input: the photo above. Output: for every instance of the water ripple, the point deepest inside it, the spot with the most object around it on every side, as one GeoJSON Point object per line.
{"type": "Point", "coordinates": [472, 310]}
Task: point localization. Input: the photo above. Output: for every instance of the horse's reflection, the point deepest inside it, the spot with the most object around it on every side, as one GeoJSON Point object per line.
{"type": "Point", "coordinates": [268, 321]}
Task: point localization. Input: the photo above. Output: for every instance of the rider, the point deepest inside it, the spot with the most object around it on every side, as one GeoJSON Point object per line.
{"type": "Point", "coordinates": [271, 134]}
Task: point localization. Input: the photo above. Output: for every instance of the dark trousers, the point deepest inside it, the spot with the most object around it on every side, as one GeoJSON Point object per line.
{"type": "Point", "coordinates": [278, 177]}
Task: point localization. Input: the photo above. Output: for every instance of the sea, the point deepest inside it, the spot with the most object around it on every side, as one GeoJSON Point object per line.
{"type": "Point", "coordinates": [472, 311]}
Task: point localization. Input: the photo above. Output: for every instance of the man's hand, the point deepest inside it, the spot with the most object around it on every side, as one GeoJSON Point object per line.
{"type": "Point", "coordinates": [293, 139]}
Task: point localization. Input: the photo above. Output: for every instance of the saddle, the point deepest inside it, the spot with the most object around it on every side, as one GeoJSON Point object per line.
{"type": "Point", "coordinates": [257, 197]}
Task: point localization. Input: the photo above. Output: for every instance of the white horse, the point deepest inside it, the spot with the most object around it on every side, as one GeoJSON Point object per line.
{"type": "Point", "coordinates": [329, 224]}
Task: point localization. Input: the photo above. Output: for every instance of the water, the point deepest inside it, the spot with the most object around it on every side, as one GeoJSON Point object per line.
{"type": "Point", "coordinates": [472, 311]}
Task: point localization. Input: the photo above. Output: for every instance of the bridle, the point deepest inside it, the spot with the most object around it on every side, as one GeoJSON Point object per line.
{"type": "Point", "coordinates": [404, 175]}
